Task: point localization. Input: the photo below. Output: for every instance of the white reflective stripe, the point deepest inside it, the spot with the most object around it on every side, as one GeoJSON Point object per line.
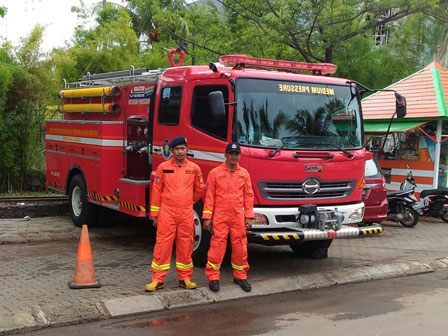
{"type": "Point", "coordinates": [81, 122]}
{"type": "Point", "coordinates": [200, 155]}
{"type": "Point", "coordinates": [415, 172]}
{"type": "Point", "coordinates": [209, 156]}
{"type": "Point", "coordinates": [86, 141]}
{"type": "Point", "coordinates": [97, 158]}
{"type": "Point", "coordinates": [396, 186]}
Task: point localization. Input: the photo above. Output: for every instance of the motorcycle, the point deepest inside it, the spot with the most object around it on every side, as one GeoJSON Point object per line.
{"type": "Point", "coordinates": [434, 202]}
{"type": "Point", "coordinates": [404, 208]}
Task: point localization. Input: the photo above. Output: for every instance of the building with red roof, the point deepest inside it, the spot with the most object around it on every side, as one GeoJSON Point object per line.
{"type": "Point", "coordinates": [418, 139]}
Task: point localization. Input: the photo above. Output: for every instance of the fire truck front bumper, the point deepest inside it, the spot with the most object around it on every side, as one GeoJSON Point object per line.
{"type": "Point", "coordinates": [289, 225]}
{"type": "Point", "coordinates": [287, 237]}
{"type": "Point", "coordinates": [288, 217]}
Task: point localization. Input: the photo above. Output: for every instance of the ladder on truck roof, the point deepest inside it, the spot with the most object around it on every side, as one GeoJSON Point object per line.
{"type": "Point", "coordinates": [132, 76]}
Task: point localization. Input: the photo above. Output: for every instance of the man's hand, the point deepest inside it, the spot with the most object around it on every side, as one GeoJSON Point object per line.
{"type": "Point", "coordinates": [154, 221]}
{"type": "Point", "coordinates": [207, 224]}
{"type": "Point", "coordinates": [249, 222]}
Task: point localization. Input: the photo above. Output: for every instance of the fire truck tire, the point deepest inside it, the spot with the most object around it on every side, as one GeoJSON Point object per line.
{"type": "Point", "coordinates": [106, 217]}
{"type": "Point", "coordinates": [201, 242]}
{"type": "Point", "coordinates": [315, 249]}
{"type": "Point", "coordinates": [81, 210]}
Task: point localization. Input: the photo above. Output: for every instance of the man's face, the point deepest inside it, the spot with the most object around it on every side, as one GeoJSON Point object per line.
{"type": "Point", "coordinates": [233, 157]}
{"type": "Point", "coordinates": [179, 152]}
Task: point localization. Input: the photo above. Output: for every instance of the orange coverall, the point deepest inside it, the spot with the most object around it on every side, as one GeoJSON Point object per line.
{"type": "Point", "coordinates": [174, 191]}
{"type": "Point", "coordinates": [227, 194]}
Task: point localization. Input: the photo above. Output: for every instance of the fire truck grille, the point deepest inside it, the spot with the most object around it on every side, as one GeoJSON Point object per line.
{"type": "Point", "coordinates": [292, 191]}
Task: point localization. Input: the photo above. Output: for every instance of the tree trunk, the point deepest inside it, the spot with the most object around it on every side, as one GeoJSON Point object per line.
{"type": "Point", "coordinates": [329, 55]}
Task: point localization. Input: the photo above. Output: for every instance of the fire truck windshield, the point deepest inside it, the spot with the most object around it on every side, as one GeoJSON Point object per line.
{"type": "Point", "coordinates": [297, 115]}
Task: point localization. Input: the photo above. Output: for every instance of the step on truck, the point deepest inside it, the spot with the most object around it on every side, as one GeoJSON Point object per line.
{"type": "Point", "coordinates": [301, 138]}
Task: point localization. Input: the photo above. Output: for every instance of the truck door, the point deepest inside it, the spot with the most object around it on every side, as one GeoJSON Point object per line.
{"type": "Point", "coordinates": [207, 134]}
{"type": "Point", "coordinates": [167, 121]}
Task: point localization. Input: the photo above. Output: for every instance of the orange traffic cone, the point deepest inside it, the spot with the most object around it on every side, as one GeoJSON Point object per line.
{"type": "Point", "coordinates": [84, 276]}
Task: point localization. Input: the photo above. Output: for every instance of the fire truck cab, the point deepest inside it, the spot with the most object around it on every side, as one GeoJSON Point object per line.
{"type": "Point", "coordinates": [301, 139]}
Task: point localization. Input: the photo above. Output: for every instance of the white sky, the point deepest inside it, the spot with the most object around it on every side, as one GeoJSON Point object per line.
{"type": "Point", "coordinates": [55, 15]}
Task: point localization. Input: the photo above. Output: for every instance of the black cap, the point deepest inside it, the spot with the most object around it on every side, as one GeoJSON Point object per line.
{"type": "Point", "coordinates": [233, 147]}
{"type": "Point", "coordinates": [180, 140]}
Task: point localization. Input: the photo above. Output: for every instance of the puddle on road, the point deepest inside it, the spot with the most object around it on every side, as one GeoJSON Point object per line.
{"type": "Point", "coordinates": [203, 321]}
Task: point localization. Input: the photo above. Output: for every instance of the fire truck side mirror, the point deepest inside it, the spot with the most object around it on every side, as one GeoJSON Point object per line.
{"type": "Point", "coordinates": [217, 107]}
{"type": "Point", "coordinates": [400, 105]}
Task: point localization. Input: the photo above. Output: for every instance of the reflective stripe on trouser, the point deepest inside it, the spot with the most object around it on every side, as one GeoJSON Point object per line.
{"type": "Point", "coordinates": [184, 266]}
{"type": "Point", "coordinates": [215, 267]}
{"type": "Point", "coordinates": [218, 244]}
{"type": "Point", "coordinates": [171, 227]}
{"type": "Point", "coordinates": [238, 267]}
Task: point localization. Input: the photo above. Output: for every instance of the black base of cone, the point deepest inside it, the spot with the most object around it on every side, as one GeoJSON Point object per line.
{"type": "Point", "coordinates": [95, 285]}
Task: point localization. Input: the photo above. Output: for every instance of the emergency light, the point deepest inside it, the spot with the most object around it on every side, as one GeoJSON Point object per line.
{"type": "Point", "coordinates": [243, 61]}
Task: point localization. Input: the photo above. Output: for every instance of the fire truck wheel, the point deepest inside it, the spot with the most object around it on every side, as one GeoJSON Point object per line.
{"type": "Point", "coordinates": [81, 211]}
{"type": "Point", "coordinates": [106, 217]}
{"type": "Point", "coordinates": [315, 249]}
{"type": "Point", "coordinates": [201, 242]}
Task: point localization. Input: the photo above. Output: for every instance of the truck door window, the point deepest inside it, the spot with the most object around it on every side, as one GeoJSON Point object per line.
{"type": "Point", "coordinates": [200, 112]}
{"type": "Point", "coordinates": [169, 109]}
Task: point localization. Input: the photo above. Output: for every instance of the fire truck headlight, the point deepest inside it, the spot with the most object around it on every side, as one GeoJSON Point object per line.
{"type": "Point", "coordinates": [261, 220]}
{"type": "Point", "coordinates": [304, 219]}
{"type": "Point", "coordinates": [356, 214]}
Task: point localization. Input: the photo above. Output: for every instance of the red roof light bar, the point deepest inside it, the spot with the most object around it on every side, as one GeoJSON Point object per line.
{"type": "Point", "coordinates": [321, 68]}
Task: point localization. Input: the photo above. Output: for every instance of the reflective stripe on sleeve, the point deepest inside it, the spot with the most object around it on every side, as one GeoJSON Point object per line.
{"type": "Point", "coordinates": [155, 208]}
{"type": "Point", "coordinates": [207, 212]}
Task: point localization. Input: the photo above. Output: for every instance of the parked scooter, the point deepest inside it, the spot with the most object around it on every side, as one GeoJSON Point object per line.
{"type": "Point", "coordinates": [404, 208]}
{"type": "Point", "coordinates": [434, 202]}
{"type": "Point", "coordinates": [403, 205]}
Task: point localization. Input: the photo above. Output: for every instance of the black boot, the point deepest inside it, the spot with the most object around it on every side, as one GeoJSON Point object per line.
{"type": "Point", "coordinates": [214, 285]}
{"type": "Point", "coordinates": [244, 284]}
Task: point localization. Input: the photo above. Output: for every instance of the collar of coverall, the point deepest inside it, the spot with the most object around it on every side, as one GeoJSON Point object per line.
{"type": "Point", "coordinates": [225, 167]}
{"type": "Point", "coordinates": [174, 163]}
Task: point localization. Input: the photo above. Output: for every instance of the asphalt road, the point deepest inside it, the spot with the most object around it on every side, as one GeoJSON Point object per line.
{"type": "Point", "coordinates": [406, 306]}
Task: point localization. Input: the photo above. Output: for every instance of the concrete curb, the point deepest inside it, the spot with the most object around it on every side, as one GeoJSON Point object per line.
{"type": "Point", "coordinates": [134, 305]}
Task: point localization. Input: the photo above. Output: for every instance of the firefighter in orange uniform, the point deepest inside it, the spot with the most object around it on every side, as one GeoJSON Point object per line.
{"type": "Point", "coordinates": [177, 185]}
{"type": "Point", "coordinates": [229, 202]}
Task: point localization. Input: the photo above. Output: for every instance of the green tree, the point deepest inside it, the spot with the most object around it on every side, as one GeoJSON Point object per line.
{"type": "Point", "coordinates": [433, 33]}
{"type": "Point", "coordinates": [316, 29]}
{"type": "Point", "coordinates": [200, 28]}
{"type": "Point", "coordinates": [111, 45]}
{"type": "Point", "coordinates": [25, 80]}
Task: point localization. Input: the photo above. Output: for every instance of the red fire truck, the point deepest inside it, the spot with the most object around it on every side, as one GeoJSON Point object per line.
{"type": "Point", "coordinates": [301, 140]}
